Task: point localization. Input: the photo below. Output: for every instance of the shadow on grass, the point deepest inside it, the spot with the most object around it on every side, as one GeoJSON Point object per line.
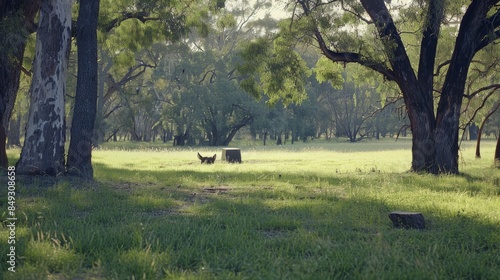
{"type": "Point", "coordinates": [167, 224]}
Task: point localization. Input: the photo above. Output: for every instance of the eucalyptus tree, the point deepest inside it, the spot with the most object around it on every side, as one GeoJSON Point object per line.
{"type": "Point", "coordinates": [16, 23]}
{"type": "Point", "coordinates": [351, 109]}
{"type": "Point", "coordinates": [43, 149]}
{"type": "Point", "coordinates": [340, 30]}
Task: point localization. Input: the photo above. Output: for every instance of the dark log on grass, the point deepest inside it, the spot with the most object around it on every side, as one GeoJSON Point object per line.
{"type": "Point", "coordinates": [407, 220]}
{"type": "Point", "coordinates": [231, 155]}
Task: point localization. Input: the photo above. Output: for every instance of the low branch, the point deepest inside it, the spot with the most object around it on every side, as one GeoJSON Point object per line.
{"type": "Point", "coordinates": [473, 94]}
{"type": "Point", "coordinates": [347, 57]}
{"type": "Point", "coordinates": [357, 58]}
{"type": "Point", "coordinates": [485, 99]}
{"type": "Point", "coordinates": [490, 24]}
{"type": "Point", "coordinates": [142, 16]}
{"type": "Point", "coordinates": [438, 70]}
{"type": "Point", "coordinates": [129, 76]}
{"type": "Point", "coordinates": [490, 38]}
{"type": "Point", "coordinates": [111, 111]}
{"type": "Point", "coordinates": [401, 129]}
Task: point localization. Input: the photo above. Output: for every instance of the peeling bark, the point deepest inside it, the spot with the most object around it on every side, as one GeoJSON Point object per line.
{"type": "Point", "coordinates": [43, 149]}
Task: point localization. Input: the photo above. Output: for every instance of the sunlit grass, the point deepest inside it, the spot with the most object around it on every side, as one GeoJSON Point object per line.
{"type": "Point", "coordinates": [308, 211]}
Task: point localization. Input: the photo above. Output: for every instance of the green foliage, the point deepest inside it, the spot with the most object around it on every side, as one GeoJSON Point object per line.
{"type": "Point", "coordinates": [226, 21]}
{"type": "Point", "coordinates": [275, 69]}
{"type": "Point", "coordinates": [328, 71]}
{"type": "Point", "coordinates": [12, 34]}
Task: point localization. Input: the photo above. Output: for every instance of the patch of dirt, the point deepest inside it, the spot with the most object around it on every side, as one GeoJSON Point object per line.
{"type": "Point", "coordinates": [216, 190]}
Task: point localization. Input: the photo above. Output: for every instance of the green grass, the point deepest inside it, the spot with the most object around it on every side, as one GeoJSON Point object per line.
{"type": "Point", "coordinates": [307, 211]}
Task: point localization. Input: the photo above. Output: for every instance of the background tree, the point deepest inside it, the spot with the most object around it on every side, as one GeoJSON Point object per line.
{"type": "Point", "coordinates": [204, 93]}
{"type": "Point", "coordinates": [130, 37]}
{"type": "Point", "coordinates": [20, 112]}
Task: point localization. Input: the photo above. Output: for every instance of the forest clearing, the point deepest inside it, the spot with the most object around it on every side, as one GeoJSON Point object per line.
{"type": "Point", "coordinates": [350, 126]}
{"type": "Point", "coordinates": [304, 211]}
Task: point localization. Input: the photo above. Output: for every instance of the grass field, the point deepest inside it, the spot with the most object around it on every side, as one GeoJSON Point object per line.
{"type": "Point", "coordinates": [307, 211]}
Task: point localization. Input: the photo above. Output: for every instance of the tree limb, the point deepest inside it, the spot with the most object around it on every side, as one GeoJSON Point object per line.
{"type": "Point", "coordinates": [428, 46]}
{"type": "Point", "coordinates": [347, 57]}
{"type": "Point", "coordinates": [473, 94]}
{"type": "Point", "coordinates": [488, 40]}
{"type": "Point", "coordinates": [142, 16]}
{"type": "Point", "coordinates": [489, 26]}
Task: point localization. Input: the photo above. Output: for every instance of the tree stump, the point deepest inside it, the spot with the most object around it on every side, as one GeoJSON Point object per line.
{"type": "Point", "coordinates": [407, 219]}
{"type": "Point", "coordinates": [231, 155]}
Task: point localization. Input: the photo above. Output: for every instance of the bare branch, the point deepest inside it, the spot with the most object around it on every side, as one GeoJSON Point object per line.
{"type": "Point", "coordinates": [473, 94]}
{"type": "Point", "coordinates": [489, 26]}
{"type": "Point", "coordinates": [142, 16]}
{"type": "Point", "coordinates": [438, 70]}
{"type": "Point", "coordinates": [481, 106]}
{"type": "Point", "coordinates": [488, 40]}
{"type": "Point", "coordinates": [492, 111]}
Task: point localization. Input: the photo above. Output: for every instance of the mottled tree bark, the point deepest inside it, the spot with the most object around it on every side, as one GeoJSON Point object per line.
{"type": "Point", "coordinates": [82, 126]}
{"type": "Point", "coordinates": [43, 149]}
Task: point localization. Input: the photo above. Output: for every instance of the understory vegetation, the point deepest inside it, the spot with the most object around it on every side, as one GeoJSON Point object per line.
{"type": "Point", "coordinates": [305, 211]}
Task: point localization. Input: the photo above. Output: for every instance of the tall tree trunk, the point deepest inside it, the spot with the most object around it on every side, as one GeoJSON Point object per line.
{"type": "Point", "coordinates": [82, 126]}
{"type": "Point", "coordinates": [496, 159]}
{"type": "Point", "coordinates": [417, 97]}
{"type": "Point", "coordinates": [9, 84]}
{"type": "Point", "coordinates": [448, 113]}
{"type": "Point", "coordinates": [14, 132]}
{"type": "Point", "coordinates": [102, 71]}
{"type": "Point", "coordinates": [23, 13]}
{"type": "Point", "coordinates": [43, 149]}
{"type": "Point", "coordinates": [480, 132]}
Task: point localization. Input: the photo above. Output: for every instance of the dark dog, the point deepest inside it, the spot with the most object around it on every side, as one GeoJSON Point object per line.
{"type": "Point", "coordinates": [207, 160]}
